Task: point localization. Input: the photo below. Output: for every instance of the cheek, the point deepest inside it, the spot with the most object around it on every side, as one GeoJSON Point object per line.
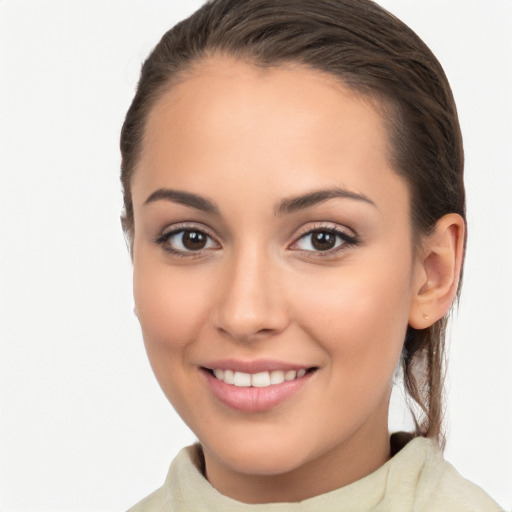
{"type": "Point", "coordinates": [361, 328]}
{"type": "Point", "coordinates": [360, 320]}
{"type": "Point", "coordinates": [171, 310]}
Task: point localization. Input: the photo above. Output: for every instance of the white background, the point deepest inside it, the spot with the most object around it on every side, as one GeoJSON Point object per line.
{"type": "Point", "coordinates": [83, 424]}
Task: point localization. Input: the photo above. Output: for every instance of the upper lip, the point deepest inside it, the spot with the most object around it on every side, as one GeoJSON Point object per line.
{"type": "Point", "coordinates": [256, 366]}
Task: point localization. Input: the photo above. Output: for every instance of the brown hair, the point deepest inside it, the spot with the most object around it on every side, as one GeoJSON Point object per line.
{"type": "Point", "coordinates": [375, 54]}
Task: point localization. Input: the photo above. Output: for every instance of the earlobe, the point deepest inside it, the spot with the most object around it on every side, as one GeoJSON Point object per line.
{"type": "Point", "coordinates": [438, 272]}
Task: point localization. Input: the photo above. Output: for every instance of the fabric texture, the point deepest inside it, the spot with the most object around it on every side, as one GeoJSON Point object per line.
{"type": "Point", "coordinates": [416, 479]}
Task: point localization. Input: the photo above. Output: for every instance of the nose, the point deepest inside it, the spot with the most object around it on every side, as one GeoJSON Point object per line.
{"type": "Point", "coordinates": [251, 302]}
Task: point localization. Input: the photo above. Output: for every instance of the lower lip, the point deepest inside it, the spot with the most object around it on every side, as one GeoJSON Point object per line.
{"type": "Point", "coordinates": [252, 399]}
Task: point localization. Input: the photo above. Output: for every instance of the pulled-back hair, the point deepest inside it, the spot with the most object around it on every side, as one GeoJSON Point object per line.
{"type": "Point", "coordinates": [373, 53]}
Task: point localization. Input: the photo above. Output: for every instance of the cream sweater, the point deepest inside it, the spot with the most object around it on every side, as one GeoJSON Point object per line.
{"type": "Point", "coordinates": [416, 479]}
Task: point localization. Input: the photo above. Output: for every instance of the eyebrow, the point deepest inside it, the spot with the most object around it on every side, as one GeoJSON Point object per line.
{"type": "Point", "coordinates": [294, 204]}
{"type": "Point", "coordinates": [184, 198]}
{"type": "Point", "coordinates": [286, 206]}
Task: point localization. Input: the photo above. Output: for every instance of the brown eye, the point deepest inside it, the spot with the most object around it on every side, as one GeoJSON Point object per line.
{"type": "Point", "coordinates": [183, 241]}
{"type": "Point", "coordinates": [194, 240]}
{"type": "Point", "coordinates": [323, 240]}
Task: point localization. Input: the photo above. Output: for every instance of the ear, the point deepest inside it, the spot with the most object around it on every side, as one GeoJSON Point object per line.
{"type": "Point", "coordinates": [437, 272]}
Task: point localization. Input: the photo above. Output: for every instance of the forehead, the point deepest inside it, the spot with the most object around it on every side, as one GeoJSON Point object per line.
{"type": "Point", "coordinates": [223, 88]}
{"type": "Point", "coordinates": [290, 126]}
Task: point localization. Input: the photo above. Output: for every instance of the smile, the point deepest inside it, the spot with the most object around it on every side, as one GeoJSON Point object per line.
{"type": "Point", "coordinates": [258, 380]}
{"type": "Point", "coordinates": [257, 391]}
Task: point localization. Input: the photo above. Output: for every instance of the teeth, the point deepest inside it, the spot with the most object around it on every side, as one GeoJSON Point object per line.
{"type": "Point", "coordinates": [242, 380]}
{"type": "Point", "coordinates": [276, 377]}
{"type": "Point", "coordinates": [258, 380]}
{"type": "Point", "coordinates": [261, 380]}
{"type": "Point", "coordinates": [290, 375]}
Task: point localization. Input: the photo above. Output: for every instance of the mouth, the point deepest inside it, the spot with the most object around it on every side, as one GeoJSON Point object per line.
{"type": "Point", "coordinates": [258, 391]}
{"type": "Point", "coordinates": [260, 379]}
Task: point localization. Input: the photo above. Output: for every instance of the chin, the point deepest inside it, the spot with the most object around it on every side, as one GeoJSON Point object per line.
{"type": "Point", "coordinates": [263, 455]}
{"type": "Point", "coordinates": [264, 462]}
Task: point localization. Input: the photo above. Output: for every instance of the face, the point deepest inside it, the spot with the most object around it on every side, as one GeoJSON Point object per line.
{"type": "Point", "coordinates": [273, 272]}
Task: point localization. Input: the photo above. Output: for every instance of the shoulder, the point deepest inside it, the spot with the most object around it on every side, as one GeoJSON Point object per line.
{"type": "Point", "coordinates": [441, 488]}
{"type": "Point", "coordinates": [155, 502]}
{"type": "Point", "coordinates": [184, 480]}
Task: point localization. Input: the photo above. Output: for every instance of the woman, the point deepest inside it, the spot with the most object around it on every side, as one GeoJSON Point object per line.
{"type": "Point", "coordinates": [295, 209]}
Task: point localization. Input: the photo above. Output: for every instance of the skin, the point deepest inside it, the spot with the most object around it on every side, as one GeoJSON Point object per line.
{"type": "Point", "coordinates": [247, 139]}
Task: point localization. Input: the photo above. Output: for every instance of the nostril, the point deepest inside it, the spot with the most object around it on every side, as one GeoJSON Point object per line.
{"type": "Point", "coordinates": [265, 331]}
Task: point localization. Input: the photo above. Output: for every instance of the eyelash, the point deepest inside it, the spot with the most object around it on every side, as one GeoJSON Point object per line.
{"type": "Point", "coordinates": [164, 239]}
{"type": "Point", "coordinates": [347, 240]}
